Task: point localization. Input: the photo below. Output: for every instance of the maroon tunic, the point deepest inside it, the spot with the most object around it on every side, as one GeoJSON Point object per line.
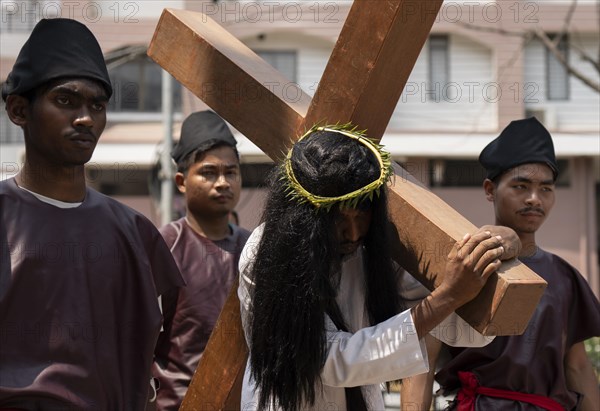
{"type": "Point", "coordinates": [79, 314]}
{"type": "Point", "coordinates": [209, 268]}
{"type": "Point", "coordinates": [533, 362]}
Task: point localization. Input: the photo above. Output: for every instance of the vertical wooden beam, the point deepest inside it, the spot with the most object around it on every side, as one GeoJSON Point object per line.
{"type": "Point", "coordinates": [217, 381]}
{"type": "Point", "coordinates": [371, 62]}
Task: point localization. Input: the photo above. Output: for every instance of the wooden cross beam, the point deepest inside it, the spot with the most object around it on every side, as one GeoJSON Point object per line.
{"type": "Point", "coordinates": [370, 64]}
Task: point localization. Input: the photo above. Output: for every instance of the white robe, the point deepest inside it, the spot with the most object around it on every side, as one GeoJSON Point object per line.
{"type": "Point", "coordinates": [368, 356]}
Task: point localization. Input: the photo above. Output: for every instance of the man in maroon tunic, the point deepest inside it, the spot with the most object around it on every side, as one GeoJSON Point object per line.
{"type": "Point", "coordinates": [546, 368]}
{"type": "Point", "coordinates": [80, 273]}
{"type": "Point", "coordinates": [206, 247]}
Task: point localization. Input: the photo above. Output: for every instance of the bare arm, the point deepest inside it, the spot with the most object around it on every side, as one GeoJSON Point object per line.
{"type": "Point", "coordinates": [416, 391]}
{"type": "Point", "coordinates": [470, 263]}
{"type": "Point", "coordinates": [581, 377]}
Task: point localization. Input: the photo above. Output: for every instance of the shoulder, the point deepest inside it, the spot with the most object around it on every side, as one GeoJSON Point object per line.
{"type": "Point", "coordinates": [583, 306]}
{"type": "Point", "coordinates": [170, 232]}
{"type": "Point", "coordinates": [255, 237]}
{"type": "Point", "coordinates": [550, 266]}
{"type": "Point", "coordinates": [580, 289]}
{"type": "Point", "coordinates": [7, 188]}
{"type": "Point", "coordinates": [247, 258]}
{"type": "Point", "coordinates": [563, 264]}
{"type": "Point", "coordinates": [250, 249]}
{"type": "Point", "coordinates": [124, 216]}
{"type": "Point", "coordinates": [97, 199]}
{"type": "Point", "coordinates": [560, 265]}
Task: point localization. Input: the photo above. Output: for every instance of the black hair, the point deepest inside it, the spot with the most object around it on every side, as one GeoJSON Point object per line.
{"type": "Point", "coordinates": [197, 155]}
{"type": "Point", "coordinates": [297, 269]}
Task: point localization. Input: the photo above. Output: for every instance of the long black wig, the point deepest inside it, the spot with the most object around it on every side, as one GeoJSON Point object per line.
{"type": "Point", "coordinates": [297, 267]}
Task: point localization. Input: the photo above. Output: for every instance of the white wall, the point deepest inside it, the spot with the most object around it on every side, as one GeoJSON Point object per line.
{"type": "Point", "coordinates": [580, 112]}
{"type": "Point", "coordinates": [465, 107]}
{"type": "Point", "coordinates": [313, 54]}
{"type": "Point", "coordinates": [470, 75]}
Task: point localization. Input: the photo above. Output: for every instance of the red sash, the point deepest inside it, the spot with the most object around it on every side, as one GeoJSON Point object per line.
{"type": "Point", "coordinates": [471, 388]}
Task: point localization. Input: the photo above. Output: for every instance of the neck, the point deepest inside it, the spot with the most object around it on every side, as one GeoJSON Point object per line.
{"type": "Point", "coordinates": [213, 228]}
{"type": "Point", "coordinates": [66, 183]}
{"type": "Point", "coordinates": [528, 244]}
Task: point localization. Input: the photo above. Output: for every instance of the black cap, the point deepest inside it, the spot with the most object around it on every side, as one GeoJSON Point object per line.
{"type": "Point", "coordinates": [57, 48]}
{"type": "Point", "coordinates": [521, 142]}
{"type": "Point", "coordinates": [200, 128]}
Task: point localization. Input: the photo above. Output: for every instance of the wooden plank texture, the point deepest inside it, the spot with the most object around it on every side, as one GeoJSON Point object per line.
{"type": "Point", "coordinates": [371, 62]}
{"type": "Point", "coordinates": [217, 381]}
{"type": "Point", "coordinates": [235, 82]}
{"type": "Point", "coordinates": [488, 312]}
{"type": "Point", "coordinates": [509, 298]}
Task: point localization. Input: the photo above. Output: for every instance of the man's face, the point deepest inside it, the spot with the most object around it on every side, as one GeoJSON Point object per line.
{"type": "Point", "coordinates": [212, 185]}
{"type": "Point", "coordinates": [64, 122]}
{"type": "Point", "coordinates": [523, 197]}
{"type": "Point", "coordinates": [351, 227]}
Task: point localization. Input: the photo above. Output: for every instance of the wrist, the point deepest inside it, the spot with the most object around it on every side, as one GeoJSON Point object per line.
{"type": "Point", "coordinates": [446, 298]}
{"type": "Point", "coordinates": [434, 309]}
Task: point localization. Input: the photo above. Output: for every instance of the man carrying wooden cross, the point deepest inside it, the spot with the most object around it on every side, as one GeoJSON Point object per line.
{"type": "Point", "coordinates": [362, 82]}
{"type": "Point", "coordinates": [324, 307]}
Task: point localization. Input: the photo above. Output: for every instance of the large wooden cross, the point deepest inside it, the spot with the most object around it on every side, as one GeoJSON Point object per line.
{"type": "Point", "coordinates": [370, 64]}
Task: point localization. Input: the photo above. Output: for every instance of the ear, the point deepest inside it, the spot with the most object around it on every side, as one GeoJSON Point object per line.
{"type": "Point", "coordinates": [17, 108]}
{"type": "Point", "coordinates": [490, 189]}
{"type": "Point", "coordinates": [180, 182]}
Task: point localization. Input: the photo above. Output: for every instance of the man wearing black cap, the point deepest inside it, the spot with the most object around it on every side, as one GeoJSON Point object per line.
{"type": "Point", "coordinates": [206, 247]}
{"type": "Point", "coordinates": [546, 367]}
{"type": "Point", "coordinates": [80, 274]}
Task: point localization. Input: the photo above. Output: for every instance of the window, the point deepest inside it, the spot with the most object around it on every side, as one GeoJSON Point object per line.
{"type": "Point", "coordinates": [283, 61]}
{"type": "Point", "coordinates": [137, 87]}
{"type": "Point", "coordinates": [254, 174]}
{"type": "Point", "coordinates": [456, 173]}
{"type": "Point", "coordinates": [439, 67]}
{"type": "Point", "coordinates": [469, 173]}
{"type": "Point", "coordinates": [557, 76]}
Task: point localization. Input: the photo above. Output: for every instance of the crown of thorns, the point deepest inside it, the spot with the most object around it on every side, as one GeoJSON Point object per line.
{"type": "Point", "coordinates": [350, 200]}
